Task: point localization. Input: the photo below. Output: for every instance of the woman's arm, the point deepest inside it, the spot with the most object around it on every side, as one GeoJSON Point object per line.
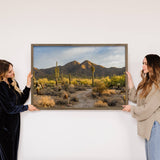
{"type": "Point", "coordinates": [132, 95]}
{"type": "Point", "coordinates": [152, 103]}
{"type": "Point", "coordinates": [26, 91]}
{"type": "Point", "coordinates": [132, 90]}
{"type": "Point", "coordinates": [8, 106]}
{"type": "Point", "coordinates": [24, 95]}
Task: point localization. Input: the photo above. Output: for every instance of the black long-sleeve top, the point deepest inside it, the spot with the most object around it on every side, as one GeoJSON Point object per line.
{"type": "Point", "coordinates": [11, 102]}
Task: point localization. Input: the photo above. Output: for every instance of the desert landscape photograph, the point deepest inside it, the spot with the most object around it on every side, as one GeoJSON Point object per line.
{"type": "Point", "coordinates": [79, 76]}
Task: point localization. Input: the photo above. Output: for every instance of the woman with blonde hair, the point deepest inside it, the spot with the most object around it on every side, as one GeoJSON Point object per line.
{"type": "Point", "coordinates": [12, 101]}
{"type": "Point", "coordinates": [147, 111]}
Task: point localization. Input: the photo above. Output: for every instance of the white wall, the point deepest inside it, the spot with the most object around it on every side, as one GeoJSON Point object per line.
{"type": "Point", "coordinates": [78, 135]}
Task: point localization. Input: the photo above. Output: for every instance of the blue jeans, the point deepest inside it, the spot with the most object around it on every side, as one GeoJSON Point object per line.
{"type": "Point", "coordinates": [153, 145]}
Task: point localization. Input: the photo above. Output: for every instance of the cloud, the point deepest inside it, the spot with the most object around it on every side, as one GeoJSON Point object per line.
{"type": "Point", "coordinates": [108, 56]}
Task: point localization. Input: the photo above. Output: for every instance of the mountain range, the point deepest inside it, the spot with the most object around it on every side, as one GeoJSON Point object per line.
{"type": "Point", "coordinates": [78, 70]}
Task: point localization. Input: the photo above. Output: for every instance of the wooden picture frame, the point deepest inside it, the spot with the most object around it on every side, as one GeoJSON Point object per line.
{"type": "Point", "coordinates": [79, 76]}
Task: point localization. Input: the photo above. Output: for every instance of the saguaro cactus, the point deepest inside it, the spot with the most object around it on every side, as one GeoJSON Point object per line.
{"type": "Point", "coordinates": [93, 70]}
{"type": "Point", "coordinates": [69, 78]}
{"type": "Point", "coordinates": [56, 73]}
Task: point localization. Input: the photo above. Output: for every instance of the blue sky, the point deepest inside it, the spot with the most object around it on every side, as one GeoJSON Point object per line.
{"type": "Point", "coordinates": [107, 56]}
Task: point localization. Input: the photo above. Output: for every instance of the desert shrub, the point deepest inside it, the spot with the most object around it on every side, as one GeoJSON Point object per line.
{"type": "Point", "coordinates": [75, 82]}
{"type": "Point", "coordinates": [108, 92]}
{"type": "Point", "coordinates": [94, 89]}
{"type": "Point", "coordinates": [51, 83]}
{"type": "Point", "coordinates": [74, 99]}
{"type": "Point", "coordinates": [100, 104]}
{"type": "Point", "coordinates": [94, 94]}
{"type": "Point", "coordinates": [61, 101]}
{"type": "Point", "coordinates": [43, 80]}
{"type": "Point", "coordinates": [65, 80]}
{"type": "Point", "coordinates": [100, 87]}
{"type": "Point", "coordinates": [104, 99]}
{"type": "Point", "coordinates": [46, 102]}
{"type": "Point", "coordinates": [86, 82]}
{"type": "Point", "coordinates": [107, 81]}
{"type": "Point", "coordinates": [57, 88]}
{"type": "Point", "coordinates": [46, 91]}
{"type": "Point", "coordinates": [63, 94]}
{"type": "Point", "coordinates": [71, 88]}
{"type": "Point", "coordinates": [118, 80]}
{"type": "Point", "coordinates": [113, 101]}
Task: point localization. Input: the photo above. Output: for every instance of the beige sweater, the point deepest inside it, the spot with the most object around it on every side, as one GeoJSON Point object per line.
{"type": "Point", "coordinates": [147, 110]}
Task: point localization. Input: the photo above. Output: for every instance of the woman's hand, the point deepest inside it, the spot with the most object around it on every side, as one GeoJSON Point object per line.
{"type": "Point", "coordinates": [130, 81]}
{"type": "Point", "coordinates": [29, 77]}
{"type": "Point", "coordinates": [32, 108]}
{"type": "Point", "coordinates": [126, 108]}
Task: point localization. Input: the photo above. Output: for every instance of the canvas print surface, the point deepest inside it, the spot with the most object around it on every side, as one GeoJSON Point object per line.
{"type": "Point", "coordinates": [79, 76]}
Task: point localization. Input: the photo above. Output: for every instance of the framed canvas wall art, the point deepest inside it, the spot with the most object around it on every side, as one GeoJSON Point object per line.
{"type": "Point", "coordinates": [79, 76]}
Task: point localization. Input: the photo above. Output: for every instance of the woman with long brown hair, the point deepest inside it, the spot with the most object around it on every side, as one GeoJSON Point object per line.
{"type": "Point", "coordinates": [12, 101]}
{"type": "Point", "coordinates": [147, 111]}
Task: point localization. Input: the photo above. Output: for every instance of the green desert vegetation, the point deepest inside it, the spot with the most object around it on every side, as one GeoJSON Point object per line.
{"type": "Point", "coordinates": [66, 90]}
{"type": "Point", "coordinates": [101, 83]}
{"type": "Point", "coordinates": [107, 91]}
